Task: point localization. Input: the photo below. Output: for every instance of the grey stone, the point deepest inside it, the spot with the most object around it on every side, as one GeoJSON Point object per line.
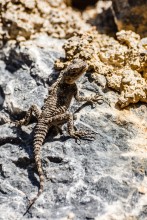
{"type": "Point", "coordinates": [102, 179]}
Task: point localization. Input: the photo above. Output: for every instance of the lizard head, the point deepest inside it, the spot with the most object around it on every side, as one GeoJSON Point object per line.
{"type": "Point", "coordinates": [74, 71]}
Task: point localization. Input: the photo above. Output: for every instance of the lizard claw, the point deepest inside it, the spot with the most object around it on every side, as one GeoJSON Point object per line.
{"type": "Point", "coordinates": [85, 135]}
{"type": "Point", "coordinates": [18, 123]}
{"type": "Point", "coordinates": [95, 99]}
{"type": "Point", "coordinates": [98, 98]}
{"type": "Point", "coordinates": [88, 135]}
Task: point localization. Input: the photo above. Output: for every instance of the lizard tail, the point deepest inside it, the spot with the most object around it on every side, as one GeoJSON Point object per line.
{"type": "Point", "coordinates": [40, 133]}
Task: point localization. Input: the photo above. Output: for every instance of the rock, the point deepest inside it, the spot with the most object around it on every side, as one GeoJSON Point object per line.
{"type": "Point", "coordinates": [33, 17]}
{"type": "Point", "coordinates": [102, 179]}
{"type": "Point", "coordinates": [82, 5]}
{"type": "Point", "coordinates": [101, 16]}
{"type": "Point", "coordinates": [131, 15]}
{"type": "Point", "coordinates": [31, 65]}
{"type": "Point", "coordinates": [133, 88]}
{"type": "Point", "coordinates": [123, 62]}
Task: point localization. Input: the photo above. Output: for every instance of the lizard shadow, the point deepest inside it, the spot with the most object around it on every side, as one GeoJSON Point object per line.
{"type": "Point", "coordinates": [26, 142]}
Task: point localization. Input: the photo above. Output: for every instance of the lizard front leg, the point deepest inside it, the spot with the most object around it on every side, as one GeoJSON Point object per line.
{"type": "Point", "coordinates": [91, 99]}
{"type": "Point", "coordinates": [33, 109]}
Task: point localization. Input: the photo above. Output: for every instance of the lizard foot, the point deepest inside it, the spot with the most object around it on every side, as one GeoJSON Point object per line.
{"type": "Point", "coordinates": [20, 122]}
{"type": "Point", "coordinates": [86, 135]}
{"type": "Point", "coordinates": [95, 99]}
{"type": "Point", "coordinates": [98, 98]}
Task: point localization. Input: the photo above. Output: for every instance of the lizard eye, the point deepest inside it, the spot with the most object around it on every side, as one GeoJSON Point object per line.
{"type": "Point", "coordinates": [73, 71]}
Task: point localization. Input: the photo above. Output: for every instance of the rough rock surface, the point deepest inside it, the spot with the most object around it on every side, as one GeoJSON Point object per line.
{"type": "Point", "coordinates": [59, 19]}
{"type": "Point", "coordinates": [101, 16]}
{"type": "Point", "coordinates": [103, 179]}
{"type": "Point", "coordinates": [32, 17]}
{"type": "Point", "coordinates": [123, 62]}
{"type": "Point", "coordinates": [131, 15]}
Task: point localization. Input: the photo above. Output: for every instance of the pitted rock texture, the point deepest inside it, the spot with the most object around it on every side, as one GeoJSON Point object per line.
{"type": "Point", "coordinates": [131, 15]}
{"type": "Point", "coordinates": [60, 18]}
{"type": "Point", "coordinates": [123, 62]}
{"type": "Point", "coordinates": [32, 17]}
{"type": "Point", "coordinates": [103, 179]}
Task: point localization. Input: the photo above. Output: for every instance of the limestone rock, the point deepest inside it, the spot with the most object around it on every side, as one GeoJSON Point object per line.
{"type": "Point", "coordinates": [123, 61]}
{"type": "Point", "coordinates": [133, 88]}
{"type": "Point", "coordinates": [33, 17]}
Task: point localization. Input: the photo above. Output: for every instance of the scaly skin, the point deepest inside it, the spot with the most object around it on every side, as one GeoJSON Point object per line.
{"type": "Point", "coordinates": [55, 110]}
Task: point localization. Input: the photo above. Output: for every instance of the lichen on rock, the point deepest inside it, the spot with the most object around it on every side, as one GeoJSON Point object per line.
{"type": "Point", "coordinates": [123, 61]}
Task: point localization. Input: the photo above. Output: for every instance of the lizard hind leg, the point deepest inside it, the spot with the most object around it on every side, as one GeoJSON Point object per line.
{"type": "Point", "coordinates": [33, 109]}
{"type": "Point", "coordinates": [77, 134]}
{"type": "Point", "coordinates": [69, 117]}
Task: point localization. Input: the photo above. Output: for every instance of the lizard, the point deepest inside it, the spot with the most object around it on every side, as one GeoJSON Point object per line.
{"type": "Point", "coordinates": [55, 111]}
